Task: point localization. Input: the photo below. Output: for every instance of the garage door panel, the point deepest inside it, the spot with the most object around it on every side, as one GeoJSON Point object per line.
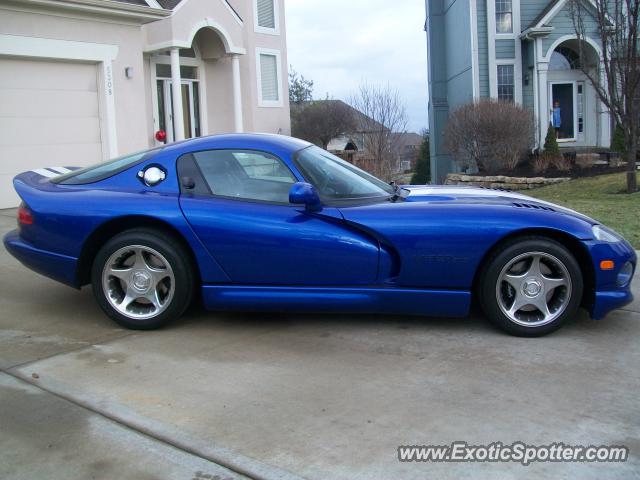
{"type": "Point", "coordinates": [49, 116]}
{"type": "Point", "coordinates": [48, 103]}
{"type": "Point", "coordinates": [70, 155]}
{"type": "Point", "coordinates": [48, 131]}
{"type": "Point", "coordinates": [8, 196]}
{"type": "Point", "coordinates": [47, 75]}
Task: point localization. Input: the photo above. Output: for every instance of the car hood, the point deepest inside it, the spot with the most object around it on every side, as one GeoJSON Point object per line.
{"type": "Point", "coordinates": [488, 196]}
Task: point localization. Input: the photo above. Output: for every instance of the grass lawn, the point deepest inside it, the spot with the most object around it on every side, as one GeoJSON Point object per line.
{"type": "Point", "coordinates": [600, 198]}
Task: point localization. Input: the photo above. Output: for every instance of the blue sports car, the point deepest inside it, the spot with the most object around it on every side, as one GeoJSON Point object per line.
{"type": "Point", "coordinates": [266, 222]}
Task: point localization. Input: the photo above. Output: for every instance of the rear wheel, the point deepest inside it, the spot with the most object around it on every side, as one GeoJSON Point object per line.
{"type": "Point", "coordinates": [531, 286]}
{"type": "Point", "coordinates": [142, 279]}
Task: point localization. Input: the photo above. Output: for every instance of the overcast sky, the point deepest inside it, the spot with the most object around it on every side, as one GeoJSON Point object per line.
{"type": "Point", "coordinates": [340, 43]}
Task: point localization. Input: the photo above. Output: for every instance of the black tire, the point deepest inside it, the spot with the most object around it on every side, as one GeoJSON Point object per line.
{"type": "Point", "coordinates": [176, 256]}
{"type": "Point", "coordinates": [502, 257]}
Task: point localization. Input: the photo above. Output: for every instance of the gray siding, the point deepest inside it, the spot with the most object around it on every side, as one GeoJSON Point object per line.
{"type": "Point", "coordinates": [483, 48]}
{"type": "Point", "coordinates": [457, 40]}
{"type": "Point", "coordinates": [450, 71]}
{"type": "Point", "coordinates": [505, 49]}
{"type": "Point", "coordinates": [563, 25]}
{"type": "Point", "coordinates": [529, 10]}
{"type": "Point", "coordinates": [461, 89]}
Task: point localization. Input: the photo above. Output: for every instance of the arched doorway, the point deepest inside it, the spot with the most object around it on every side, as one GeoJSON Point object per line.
{"type": "Point", "coordinates": [573, 105]}
{"type": "Point", "coordinates": [198, 68]}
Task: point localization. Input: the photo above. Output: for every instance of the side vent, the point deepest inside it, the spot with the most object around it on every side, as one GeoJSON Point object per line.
{"type": "Point", "coordinates": [531, 205]}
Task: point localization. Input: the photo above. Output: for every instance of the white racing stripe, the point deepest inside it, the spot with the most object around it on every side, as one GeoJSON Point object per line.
{"type": "Point", "coordinates": [60, 170]}
{"type": "Point", "coordinates": [46, 173]}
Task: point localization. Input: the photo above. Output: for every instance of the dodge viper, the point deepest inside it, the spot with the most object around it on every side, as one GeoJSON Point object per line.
{"type": "Point", "coordinates": [270, 223]}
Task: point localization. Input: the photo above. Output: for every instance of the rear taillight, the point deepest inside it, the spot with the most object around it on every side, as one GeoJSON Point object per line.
{"type": "Point", "coordinates": [25, 217]}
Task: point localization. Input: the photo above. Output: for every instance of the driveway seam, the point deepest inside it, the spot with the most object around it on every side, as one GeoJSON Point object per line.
{"type": "Point", "coordinates": [107, 341]}
{"type": "Point", "coordinates": [159, 432]}
{"type": "Point", "coordinates": [89, 344]}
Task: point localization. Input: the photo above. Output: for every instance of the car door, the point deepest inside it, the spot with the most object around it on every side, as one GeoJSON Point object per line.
{"type": "Point", "coordinates": [237, 202]}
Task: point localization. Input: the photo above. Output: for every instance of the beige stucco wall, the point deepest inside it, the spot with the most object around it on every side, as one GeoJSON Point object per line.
{"type": "Point", "coordinates": [131, 120]}
{"type": "Point", "coordinates": [263, 119]}
{"type": "Point", "coordinates": [236, 37]}
{"type": "Point", "coordinates": [134, 110]}
{"type": "Point", "coordinates": [181, 27]}
{"type": "Point", "coordinates": [219, 98]}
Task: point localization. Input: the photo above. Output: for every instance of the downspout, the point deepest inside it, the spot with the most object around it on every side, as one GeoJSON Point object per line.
{"type": "Point", "coordinates": [536, 94]}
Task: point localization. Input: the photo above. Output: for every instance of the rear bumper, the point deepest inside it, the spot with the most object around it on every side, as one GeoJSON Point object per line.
{"type": "Point", "coordinates": [608, 294]}
{"type": "Point", "coordinates": [53, 265]}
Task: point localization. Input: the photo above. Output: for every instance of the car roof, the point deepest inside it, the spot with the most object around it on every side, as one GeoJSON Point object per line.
{"type": "Point", "coordinates": [251, 141]}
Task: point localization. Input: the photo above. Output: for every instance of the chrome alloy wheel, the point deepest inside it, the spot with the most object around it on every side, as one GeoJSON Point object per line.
{"type": "Point", "coordinates": [138, 282]}
{"type": "Point", "coordinates": [533, 289]}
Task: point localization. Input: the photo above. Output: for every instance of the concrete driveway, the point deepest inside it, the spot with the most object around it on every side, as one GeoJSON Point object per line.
{"type": "Point", "coordinates": [298, 396]}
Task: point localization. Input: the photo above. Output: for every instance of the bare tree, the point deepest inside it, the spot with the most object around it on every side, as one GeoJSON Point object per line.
{"type": "Point", "coordinates": [617, 79]}
{"type": "Point", "coordinates": [493, 134]}
{"type": "Point", "coordinates": [382, 113]}
{"type": "Point", "coordinates": [320, 121]}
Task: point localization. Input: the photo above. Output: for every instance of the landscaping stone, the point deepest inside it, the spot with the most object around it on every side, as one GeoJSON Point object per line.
{"type": "Point", "coordinates": [501, 181]}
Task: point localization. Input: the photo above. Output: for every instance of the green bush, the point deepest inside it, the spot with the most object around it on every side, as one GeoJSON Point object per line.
{"type": "Point", "coordinates": [551, 142]}
{"type": "Point", "coordinates": [617, 140]}
{"type": "Point", "coordinates": [422, 175]}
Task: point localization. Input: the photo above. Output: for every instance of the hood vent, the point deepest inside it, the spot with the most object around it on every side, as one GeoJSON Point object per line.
{"type": "Point", "coordinates": [533, 206]}
{"type": "Point", "coordinates": [495, 189]}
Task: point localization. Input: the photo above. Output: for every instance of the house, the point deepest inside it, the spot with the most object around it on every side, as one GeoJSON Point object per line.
{"type": "Point", "coordinates": [350, 134]}
{"type": "Point", "coordinates": [352, 147]}
{"type": "Point", "coordinates": [87, 80]}
{"type": "Point", "coordinates": [407, 146]}
{"type": "Point", "coordinates": [522, 51]}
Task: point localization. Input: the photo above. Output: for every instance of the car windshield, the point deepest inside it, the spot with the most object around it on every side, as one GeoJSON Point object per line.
{"type": "Point", "coordinates": [337, 179]}
{"type": "Point", "coordinates": [102, 170]}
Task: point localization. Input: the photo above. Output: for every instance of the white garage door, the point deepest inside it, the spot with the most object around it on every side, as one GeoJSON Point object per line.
{"type": "Point", "coordinates": [49, 116]}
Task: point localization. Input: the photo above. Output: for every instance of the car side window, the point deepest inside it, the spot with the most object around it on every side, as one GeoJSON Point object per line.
{"type": "Point", "coordinates": [245, 174]}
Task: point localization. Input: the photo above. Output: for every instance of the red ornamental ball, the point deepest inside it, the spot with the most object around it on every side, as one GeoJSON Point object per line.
{"type": "Point", "coordinates": [161, 135]}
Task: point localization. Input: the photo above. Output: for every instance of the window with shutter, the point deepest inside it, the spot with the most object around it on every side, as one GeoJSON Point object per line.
{"type": "Point", "coordinates": [269, 78]}
{"type": "Point", "coordinates": [266, 11]}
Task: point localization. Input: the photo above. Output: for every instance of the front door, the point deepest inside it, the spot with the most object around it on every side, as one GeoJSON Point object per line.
{"type": "Point", "coordinates": [238, 206]}
{"type": "Point", "coordinates": [190, 91]}
{"type": "Point", "coordinates": [566, 110]}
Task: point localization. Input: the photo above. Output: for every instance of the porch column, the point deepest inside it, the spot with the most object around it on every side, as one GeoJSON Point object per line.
{"type": "Point", "coordinates": [604, 139]}
{"type": "Point", "coordinates": [237, 94]}
{"type": "Point", "coordinates": [176, 93]}
{"type": "Point", "coordinates": [544, 108]}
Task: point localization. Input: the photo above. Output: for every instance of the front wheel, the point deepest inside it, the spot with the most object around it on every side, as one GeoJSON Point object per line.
{"type": "Point", "coordinates": [142, 280]}
{"type": "Point", "coordinates": [531, 286]}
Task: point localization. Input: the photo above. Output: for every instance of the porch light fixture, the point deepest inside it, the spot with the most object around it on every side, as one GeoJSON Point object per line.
{"type": "Point", "coordinates": [128, 72]}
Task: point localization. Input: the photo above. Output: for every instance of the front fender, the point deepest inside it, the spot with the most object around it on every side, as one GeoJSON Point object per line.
{"type": "Point", "coordinates": [442, 245]}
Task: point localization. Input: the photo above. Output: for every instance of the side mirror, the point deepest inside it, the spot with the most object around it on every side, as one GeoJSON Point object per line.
{"type": "Point", "coordinates": [302, 193]}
